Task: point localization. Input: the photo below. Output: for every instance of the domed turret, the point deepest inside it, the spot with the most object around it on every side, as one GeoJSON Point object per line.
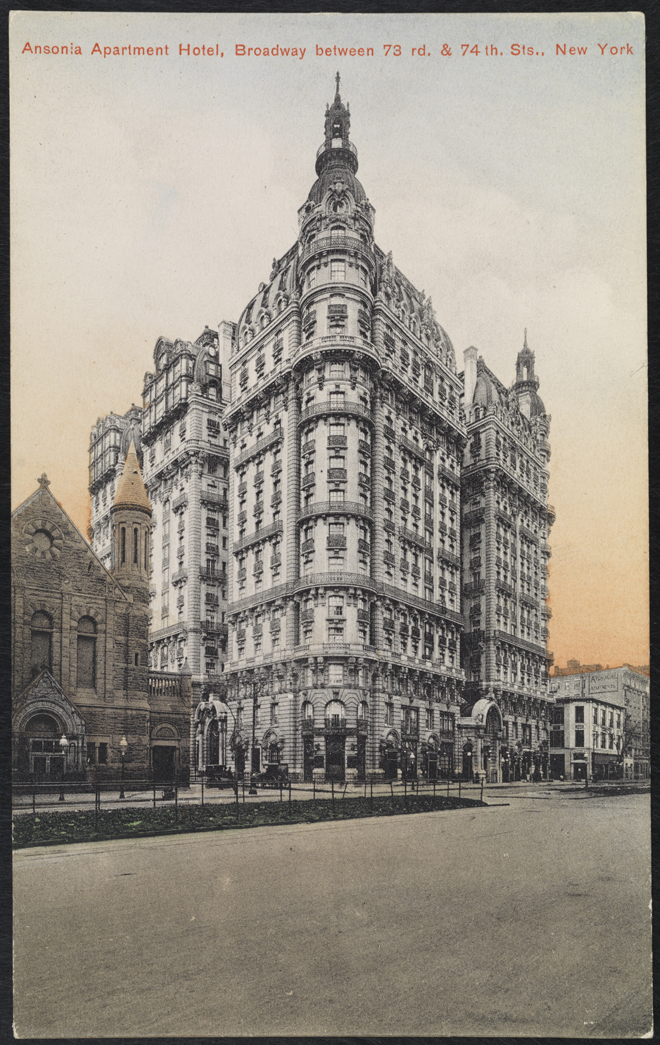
{"type": "Point", "coordinates": [337, 158]}
{"type": "Point", "coordinates": [525, 388]}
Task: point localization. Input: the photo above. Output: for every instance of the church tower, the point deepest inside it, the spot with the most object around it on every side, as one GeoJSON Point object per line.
{"type": "Point", "coordinates": [131, 516]}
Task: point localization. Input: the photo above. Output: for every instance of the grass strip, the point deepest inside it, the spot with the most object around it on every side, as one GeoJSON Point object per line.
{"type": "Point", "coordinates": [66, 828]}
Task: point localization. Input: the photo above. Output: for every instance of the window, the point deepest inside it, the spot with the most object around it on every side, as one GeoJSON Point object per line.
{"type": "Point", "coordinates": [579, 738]}
{"type": "Point", "coordinates": [307, 712]}
{"type": "Point", "coordinates": [389, 714]}
{"type": "Point", "coordinates": [41, 643]}
{"type": "Point", "coordinates": [337, 496]}
{"type": "Point", "coordinates": [337, 270]}
{"type": "Point", "coordinates": [337, 370]}
{"type": "Point", "coordinates": [335, 674]}
{"type": "Point", "coordinates": [86, 675]}
{"type": "Point", "coordinates": [336, 631]}
{"type": "Point", "coordinates": [335, 712]}
{"type": "Point", "coordinates": [337, 399]}
{"type": "Point", "coordinates": [579, 714]}
{"type": "Point", "coordinates": [336, 605]}
{"type": "Point", "coordinates": [429, 718]}
{"type": "Point", "coordinates": [103, 754]}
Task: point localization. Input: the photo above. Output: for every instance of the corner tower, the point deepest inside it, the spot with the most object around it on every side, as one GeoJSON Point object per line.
{"type": "Point", "coordinates": [346, 434]}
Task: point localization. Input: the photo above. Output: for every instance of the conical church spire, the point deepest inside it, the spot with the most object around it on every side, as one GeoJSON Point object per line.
{"type": "Point", "coordinates": [130, 488]}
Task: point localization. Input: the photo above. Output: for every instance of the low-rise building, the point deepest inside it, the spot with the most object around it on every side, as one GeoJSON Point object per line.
{"type": "Point", "coordinates": [600, 725]}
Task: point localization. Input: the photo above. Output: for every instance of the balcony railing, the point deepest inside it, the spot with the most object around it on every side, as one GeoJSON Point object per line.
{"type": "Point", "coordinates": [259, 446]}
{"type": "Point", "coordinates": [335, 508]}
{"type": "Point", "coordinates": [339, 241]}
{"type": "Point", "coordinates": [213, 497]}
{"type": "Point", "coordinates": [259, 535]}
{"type": "Point", "coordinates": [321, 409]}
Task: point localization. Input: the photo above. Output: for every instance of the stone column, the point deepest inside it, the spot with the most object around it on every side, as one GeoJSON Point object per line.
{"type": "Point", "coordinates": [194, 558]}
{"type": "Point", "coordinates": [377, 487]}
{"type": "Point", "coordinates": [490, 593]}
{"type": "Point", "coordinates": [291, 542]}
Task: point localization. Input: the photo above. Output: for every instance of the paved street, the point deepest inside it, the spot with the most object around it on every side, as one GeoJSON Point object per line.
{"type": "Point", "coordinates": [528, 919]}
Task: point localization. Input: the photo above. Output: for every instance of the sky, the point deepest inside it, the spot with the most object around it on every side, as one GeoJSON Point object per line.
{"type": "Point", "coordinates": [150, 194]}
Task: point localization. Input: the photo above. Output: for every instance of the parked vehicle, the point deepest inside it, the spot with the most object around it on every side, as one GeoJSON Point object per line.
{"type": "Point", "coordinates": [275, 774]}
{"type": "Point", "coordinates": [219, 776]}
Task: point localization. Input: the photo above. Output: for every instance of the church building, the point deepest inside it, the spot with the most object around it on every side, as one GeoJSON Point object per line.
{"type": "Point", "coordinates": [83, 705]}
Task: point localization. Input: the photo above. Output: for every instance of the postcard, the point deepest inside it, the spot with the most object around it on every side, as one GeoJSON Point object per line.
{"type": "Point", "coordinates": [330, 508]}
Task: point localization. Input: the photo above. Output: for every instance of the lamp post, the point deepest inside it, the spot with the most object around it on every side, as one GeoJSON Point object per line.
{"type": "Point", "coordinates": [123, 748]}
{"type": "Point", "coordinates": [64, 746]}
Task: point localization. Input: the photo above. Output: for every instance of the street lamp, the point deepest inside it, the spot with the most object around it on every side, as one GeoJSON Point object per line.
{"type": "Point", "coordinates": [123, 748]}
{"type": "Point", "coordinates": [64, 746]}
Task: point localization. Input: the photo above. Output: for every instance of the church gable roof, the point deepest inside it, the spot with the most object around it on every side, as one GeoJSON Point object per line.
{"type": "Point", "coordinates": [48, 549]}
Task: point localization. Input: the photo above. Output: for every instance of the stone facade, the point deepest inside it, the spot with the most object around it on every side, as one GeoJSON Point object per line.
{"type": "Point", "coordinates": [505, 525]}
{"type": "Point", "coordinates": [364, 504]}
{"type": "Point", "coordinates": [346, 443]}
{"type": "Point", "coordinates": [80, 679]}
{"type": "Point", "coordinates": [184, 456]}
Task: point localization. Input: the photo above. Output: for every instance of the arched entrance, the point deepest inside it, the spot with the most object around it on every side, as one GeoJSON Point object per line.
{"type": "Point", "coordinates": [45, 756]}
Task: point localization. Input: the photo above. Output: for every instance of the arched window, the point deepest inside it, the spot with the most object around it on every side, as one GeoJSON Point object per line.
{"type": "Point", "coordinates": [135, 545]}
{"type": "Point", "coordinates": [307, 712]}
{"type": "Point", "coordinates": [363, 713]}
{"type": "Point", "coordinates": [123, 545]}
{"type": "Point", "coordinates": [335, 714]}
{"type": "Point", "coordinates": [86, 678]}
{"type": "Point", "coordinates": [41, 647]}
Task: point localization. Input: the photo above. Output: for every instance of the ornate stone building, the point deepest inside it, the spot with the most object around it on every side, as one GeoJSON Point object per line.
{"type": "Point", "coordinates": [110, 439]}
{"type": "Point", "coordinates": [184, 456]}
{"type": "Point", "coordinates": [81, 685]}
{"type": "Point", "coordinates": [505, 524]}
{"type": "Point", "coordinates": [346, 445]}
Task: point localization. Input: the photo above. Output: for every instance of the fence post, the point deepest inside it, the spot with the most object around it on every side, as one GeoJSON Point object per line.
{"type": "Point", "coordinates": [482, 789]}
{"type": "Point", "coordinates": [243, 787]}
{"type": "Point", "coordinates": [405, 790]}
{"type": "Point", "coordinates": [281, 795]}
{"type": "Point", "coordinates": [34, 799]}
{"type": "Point", "coordinates": [313, 788]}
{"type": "Point", "coordinates": [237, 805]}
{"type": "Point", "coordinates": [202, 789]}
{"type": "Point", "coordinates": [176, 802]}
{"type": "Point", "coordinates": [154, 783]}
{"type": "Point", "coordinates": [332, 784]}
{"type": "Point", "coordinates": [459, 787]}
{"type": "Point", "coordinates": [289, 796]}
{"type": "Point", "coordinates": [372, 795]}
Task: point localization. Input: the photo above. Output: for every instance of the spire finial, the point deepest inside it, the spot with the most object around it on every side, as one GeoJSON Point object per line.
{"type": "Point", "coordinates": [44, 481]}
{"type": "Point", "coordinates": [337, 82]}
{"type": "Point", "coordinates": [525, 340]}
